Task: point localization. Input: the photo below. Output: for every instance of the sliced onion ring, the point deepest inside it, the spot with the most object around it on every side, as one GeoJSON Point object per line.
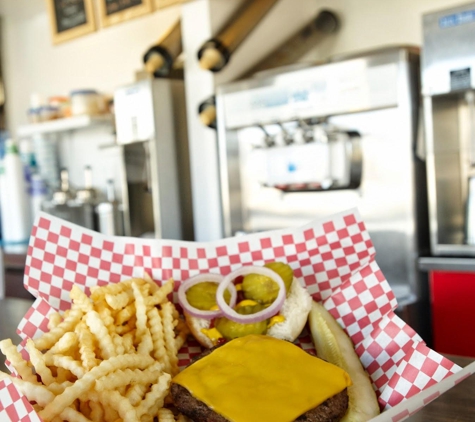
{"type": "Point", "coordinates": [197, 279]}
{"type": "Point", "coordinates": [258, 316]}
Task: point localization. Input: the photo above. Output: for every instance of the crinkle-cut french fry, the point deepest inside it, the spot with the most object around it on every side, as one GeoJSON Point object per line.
{"type": "Point", "coordinates": [135, 393]}
{"type": "Point", "coordinates": [144, 288]}
{"type": "Point", "coordinates": [165, 415]}
{"type": "Point", "coordinates": [128, 342]}
{"type": "Point", "coordinates": [35, 392]}
{"type": "Point", "coordinates": [66, 362]}
{"type": "Point", "coordinates": [125, 314]}
{"type": "Point", "coordinates": [80, 299]}
{"type": "Point", "coordinates": [145, 346]}
{"type": "Point", "coordinates": [16, 359]}
{"type": "Point", "coordinates": [111, 415]}
{"type": "Point", "coordinates": [62, 401]}
{"type": "Point", "coordinates": [54, 320]}
{"type": "Point", "coordinates": [113, 399]}
{"type": "Point", "coordinates": [153, 286]}
{"type": "Point", "coordinates": [42, 396]}
{"type": "Point", "coordinates": [161, 294]}
{"type": "Point", "coordinates": [36, 407]}
{"type": "Point", "coordinates": [140, 312]}
{"type": "Point", "coordinates": [49, 338]}
{"type": "Point", "coordinates": [118, 344]}
{"type": "Point", "coordinates": [37, 359]}
{"type": "Point", "coordinates": [143, 337]}
{"type": "Point", "coordinates": [182, 334]}
{"type": "Point", "coordinates": [73, 415]}
{"type": "Point", "coordinates": [155, 397]}
{"type": "Point", "coordinates": [182, 418]}
{"type": "Point", "coordinates": [118, 301]}
{"type": "Point", "coordinates": [156, 329]}
{"type": "Point", "coordinates": [97, 369]}
{"type": "Point", "coordinates": [106, 315]}
{"type": "Point", "coordinates": [168, 331]}
{"type": "Point", "coordinates": [57, 388]}
{"type": "Point", "coordinates": [113, 288]}
{"type": "Point", "coordinates": [84, 408]}
{"type": "Point", "coordinates": [64, 344]}
{"type": "Point", "coordinates": [97, 412]}
{"type": "Point", "coordinates": [62, 375]}
{"type": "Point", "coordinates": [128, 327]}
{"type": "Point", "coordinates": [101, 333]}
{"type": "Point", "coordinates": [126, 377]}
{"type": "Point", "coordinates": [86, 346]}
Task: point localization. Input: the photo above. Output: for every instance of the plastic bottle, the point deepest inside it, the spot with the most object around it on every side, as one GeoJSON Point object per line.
{"type": "Point", "coordinates": [16, 221]}
{"type": "Point", "coordinates": [38, 194]}
{"type": "Point", "coordinates": [109, 216]}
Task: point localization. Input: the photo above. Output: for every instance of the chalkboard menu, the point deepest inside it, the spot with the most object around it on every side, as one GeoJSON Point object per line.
{"type": "Point", "coordinates": [70, 18]}
{"type": "Point", "coordinates": [115, 11]}
{"type": "Point", "coordinates": [69, 14]}
{"type": "Point", "coordinates": [114, 6]}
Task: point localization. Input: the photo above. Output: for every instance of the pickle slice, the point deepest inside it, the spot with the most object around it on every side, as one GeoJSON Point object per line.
{"type": "Point", "coordinates": [203, 295]}
{"type": "Point", "coordinates": [284, 271]}
{"type": "Point", "coordinates": [264, 290]}
{"type": "Point", "coordinates": [231, 330]}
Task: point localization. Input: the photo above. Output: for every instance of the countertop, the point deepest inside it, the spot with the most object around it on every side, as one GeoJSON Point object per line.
{"type": "Point", "coordinates": [457, 404]}
{"type": "Point", "coordinates": [443, 263]}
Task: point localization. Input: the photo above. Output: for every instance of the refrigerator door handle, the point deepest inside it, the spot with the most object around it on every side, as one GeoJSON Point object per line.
{"type": "Point", "coordinates": [420, 144]}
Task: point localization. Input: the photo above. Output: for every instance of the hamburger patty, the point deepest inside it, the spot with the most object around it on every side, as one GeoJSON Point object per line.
{"type": "Point", "coordinates": [331, 410]}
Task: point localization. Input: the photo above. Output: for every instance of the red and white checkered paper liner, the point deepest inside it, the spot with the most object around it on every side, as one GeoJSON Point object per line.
{"type": "Point", "coordinates": [334, 258]}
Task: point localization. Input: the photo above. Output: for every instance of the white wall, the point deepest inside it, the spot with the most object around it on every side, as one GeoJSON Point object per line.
{"type": "Point", "coordinates": [103, 60]}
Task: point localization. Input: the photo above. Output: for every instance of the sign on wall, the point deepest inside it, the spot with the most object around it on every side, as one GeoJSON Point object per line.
{"type": "Point", "coordinates": [70, 19]}
{"type": "Point", "coordinates": [116, 11]}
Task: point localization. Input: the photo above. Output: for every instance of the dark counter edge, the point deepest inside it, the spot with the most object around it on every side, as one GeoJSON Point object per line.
{"type": "Point", "coordinates": [447, 264]}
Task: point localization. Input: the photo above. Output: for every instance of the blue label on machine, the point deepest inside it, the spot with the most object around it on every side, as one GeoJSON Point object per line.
{"type": "Point", "coordinates": [457, 19]}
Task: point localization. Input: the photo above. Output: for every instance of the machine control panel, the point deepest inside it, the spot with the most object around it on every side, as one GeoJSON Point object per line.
{"type": "Point", "coordinates": [351, 86]}
{"type": "Point", "coordinates": [448, 62]}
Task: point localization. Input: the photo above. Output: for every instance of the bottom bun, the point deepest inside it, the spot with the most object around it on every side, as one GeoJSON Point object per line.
{"type": "Point", "coordinates": [295, 310]}
{"type": "Point", "coordinates": [196, 325]}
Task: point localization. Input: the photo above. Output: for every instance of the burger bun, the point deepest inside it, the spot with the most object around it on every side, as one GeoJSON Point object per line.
{"type": "Point", "coordinates": [295, 310]}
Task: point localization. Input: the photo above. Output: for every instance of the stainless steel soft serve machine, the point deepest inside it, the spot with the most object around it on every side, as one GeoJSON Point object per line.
{"type": "Point", "coordinates": [296, 145]}
{"type": "Point", "coordinates": [448, 87]}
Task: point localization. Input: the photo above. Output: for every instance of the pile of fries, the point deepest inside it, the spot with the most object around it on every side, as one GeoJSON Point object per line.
{"type": "Point", "coordinates": [110, 357]}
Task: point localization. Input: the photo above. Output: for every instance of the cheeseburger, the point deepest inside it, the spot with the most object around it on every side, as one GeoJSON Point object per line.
{"type": "Point", "coordinates": [259, 378]}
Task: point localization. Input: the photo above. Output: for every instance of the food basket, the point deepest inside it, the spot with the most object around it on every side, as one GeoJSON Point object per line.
{"type": "Point", "coordinates": [334, 258]}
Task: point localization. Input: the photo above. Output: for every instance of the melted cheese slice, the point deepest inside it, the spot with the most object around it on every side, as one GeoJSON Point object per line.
{"type": "Point", "coordinates": [260, 378]}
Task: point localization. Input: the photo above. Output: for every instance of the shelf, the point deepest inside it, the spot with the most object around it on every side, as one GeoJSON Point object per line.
{"type": "Point", "coordinates": [64, 125]}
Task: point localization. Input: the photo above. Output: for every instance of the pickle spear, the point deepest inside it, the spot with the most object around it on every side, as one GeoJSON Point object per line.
{"type": "Point", "coordinates": [334, 346]}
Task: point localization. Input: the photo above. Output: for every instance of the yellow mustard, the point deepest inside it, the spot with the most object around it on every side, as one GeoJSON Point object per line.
{"type": "Point", "coordinates": [275, 320]}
